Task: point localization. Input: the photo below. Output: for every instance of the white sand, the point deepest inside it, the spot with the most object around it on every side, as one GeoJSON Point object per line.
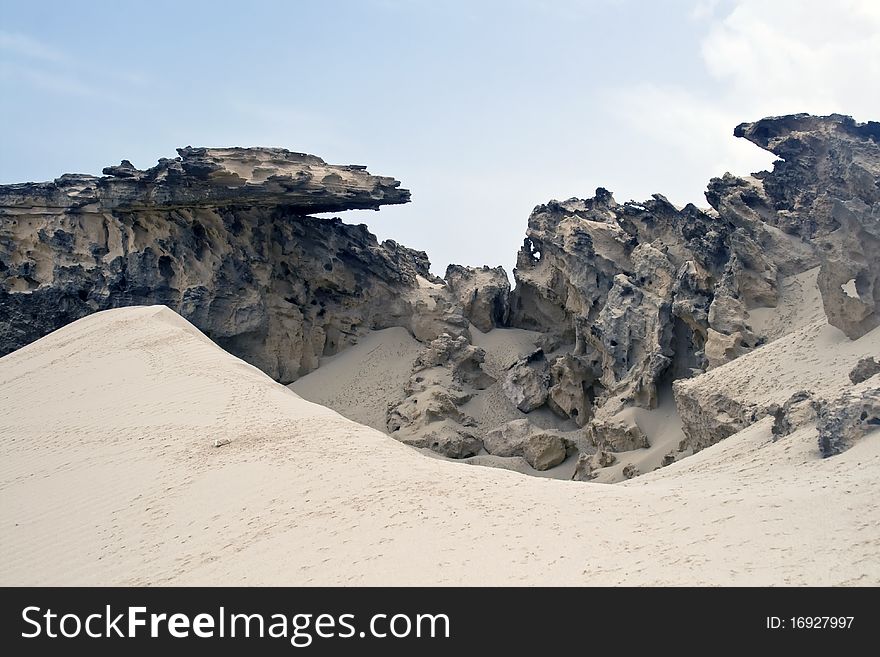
{"type": "Point", "coordinates": [362, 381]}
{"type": "Point", "coordinates": [817, 358]}
{"type": "Point", "coordinates": [800, 305]}
{"type": "Point", "coordinates": [661, 425]}
{"type": "Point", "coordinates": [108, 476]}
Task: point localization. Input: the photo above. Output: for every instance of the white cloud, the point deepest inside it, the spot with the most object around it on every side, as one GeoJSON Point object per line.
{"type": "Point", "coordinates": [762, 59]}
{"type": "Point", "coordinates": [799, 55]}
{"type": "Point", "coordinates": [693, 132]}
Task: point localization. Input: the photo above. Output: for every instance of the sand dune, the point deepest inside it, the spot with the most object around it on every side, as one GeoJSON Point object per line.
{"type": "Point", "coordinates": [110, 475]}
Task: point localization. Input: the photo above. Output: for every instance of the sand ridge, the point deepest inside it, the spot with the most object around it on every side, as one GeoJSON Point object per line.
{"type": "Point", "coordinates": [109, 476]}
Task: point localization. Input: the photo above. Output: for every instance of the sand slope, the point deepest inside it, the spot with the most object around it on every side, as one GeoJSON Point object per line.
{"type": "Point", "coordinates": [365, 379]}
{"type": "Point", "coordinates": [817, 358]}
{"type": "Point", "coordinates": [108, 475]}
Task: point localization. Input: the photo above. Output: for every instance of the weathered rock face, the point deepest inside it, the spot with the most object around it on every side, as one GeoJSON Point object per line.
{"type": "Point", "coordinates": [212, 178]}
{"type": "Point", "coordinates": [568, 396]}
{"type": "Point", "coordinates": [616, 435]}
{"type": "Point", "coordinates": [797, 410]}
{"type": "Point", "coordinates": [709, 416]}
{"type": "Point", "coordinates": [528, 381]}
{"type": "Point", "coordinates": [644, 294]}
{"type": "Point", "coordinates": [542, 449]}
{"type": "Point", "coordinates": [222, 237]}
{"type": "Point", "coordinates": [483, 294]}
{"type": "Point", "coordinates": [864, 370]}
{"type": "Point", "coordinates": [826, 188]}
{"type": "Point", "coordinates": [631, 300]}
{"type": "Point", "coordinates": [843, 421]}
{"type": "Point", "coordinates": [631, 289]}
{"type": "Point", "coordinates": [444, 377]}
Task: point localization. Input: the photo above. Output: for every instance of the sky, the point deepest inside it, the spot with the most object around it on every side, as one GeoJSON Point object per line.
{"type": "Point", "coordinates": [483, 109]}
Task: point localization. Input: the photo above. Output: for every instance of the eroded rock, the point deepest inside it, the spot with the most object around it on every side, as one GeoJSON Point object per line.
{"type": "Point", "coordinates": [864, 370]}
{"type": "Point", "coordinates": [483, 294]}
{"type": "Point", "coordinates": [448, 439]}
{"type": "Point", "coordinates": [544, 450]}
{"type": "Point", "coordinates": [587, 464]}
{"type": "Point", "coordinates": [629, 471]}
{"type": "Point", "coordinates": [569, 393]}
{"type": "Point", "coordinates": [459, 356]}
{"type": "Point", "coordinates": [527, 382]}
{"type": "Point", "coordinates": [631, 287]}
{"type": "Point", "coordinates": [709, 415]}
{"type": "Point", "coordinates": [847, 419]}
{"type": "Point", "coordinates": [825, 189]}
{"type": "Point", "coordinates": [541, 448]}
{"type": "Point", "coordinates": [223, 237]}
{"type": "Point", "coordinates": [446, 374]}
{"type": "Point", "coordinates": [798, 410]}
{"type": "Point", "coordinates": [616, 435]}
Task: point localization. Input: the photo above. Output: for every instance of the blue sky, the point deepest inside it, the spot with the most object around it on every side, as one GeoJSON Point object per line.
{"type": "Point", "coordinates": [482, 109]}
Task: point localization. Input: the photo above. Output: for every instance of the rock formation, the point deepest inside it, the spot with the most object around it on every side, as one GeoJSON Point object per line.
{"type": "Point", "coordinates": [846, 419]}
{"type": "Point", "coordinates": [616, 436]}
{"type": "Point", "coordinates": [647, 294]}
{"type": "Point", "coordinates": [528, 381]}
{"type": "Point", "coordinates": [797, 410]}
{"type": "Point", "coordinates": [483, 294]}
{"type": "Point", "coordinates": [628, 287]}
{"type": "Point", "coordinates": [213, 178]}
{"type": "Point", "coordinates": [221, 236]}
{"type": "Point", "coordinates": [444, 377]}
{"type": "Point", "coordinates": [864, 370]}
{"type": "Point", "coordinates": [633, 302]}
{"type": "Point", "coordinates": [824, 188]}
{"type": "Point", "coordinates": [588, 463]}
{"type": "Point", "coordinates": [542, 449]}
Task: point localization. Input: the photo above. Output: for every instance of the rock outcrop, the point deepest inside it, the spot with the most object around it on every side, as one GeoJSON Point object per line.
{"type": "Point", "coordinates": [708, 416]}
{"type": "Point", "coordinates": [212, 178]}
{"type": "Point", "coordinates": [846, 419]}
{"type": "Point", "coordinates": [528, 381]}
{"type": "Point", "coordinates": [221, 236]}
{"type": "Point", "coordinates": [483, 294]}
{"type": "Point", "coordinates": [647, 294]}
{"type": "Point", "coordinates": [826, 189]}
{"type": "Point", "coordinates": [633, 296]}
{"type": "Point", "coordinates": [635, 289]}
{"type": "Point", "coordinates": [444, 377]}
{"type": "Point", "coordinates": [616, 435]}
{"type": "Point", "coordinates": [629, 471]}
{"type": "Point", "coordinates": [568, 394]}
{"type": "Point", "coordinates": [864, 370]}
{"type": "Point", "coordinates": [588, 463]}
{"type": "Point", "coordinates": [797, 410]}
{"type": "Point", "coordinates": [542, 449]}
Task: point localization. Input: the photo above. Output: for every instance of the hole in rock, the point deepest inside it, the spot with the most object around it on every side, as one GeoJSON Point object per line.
{"type": "Point", "coordinates": [849, 289]}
